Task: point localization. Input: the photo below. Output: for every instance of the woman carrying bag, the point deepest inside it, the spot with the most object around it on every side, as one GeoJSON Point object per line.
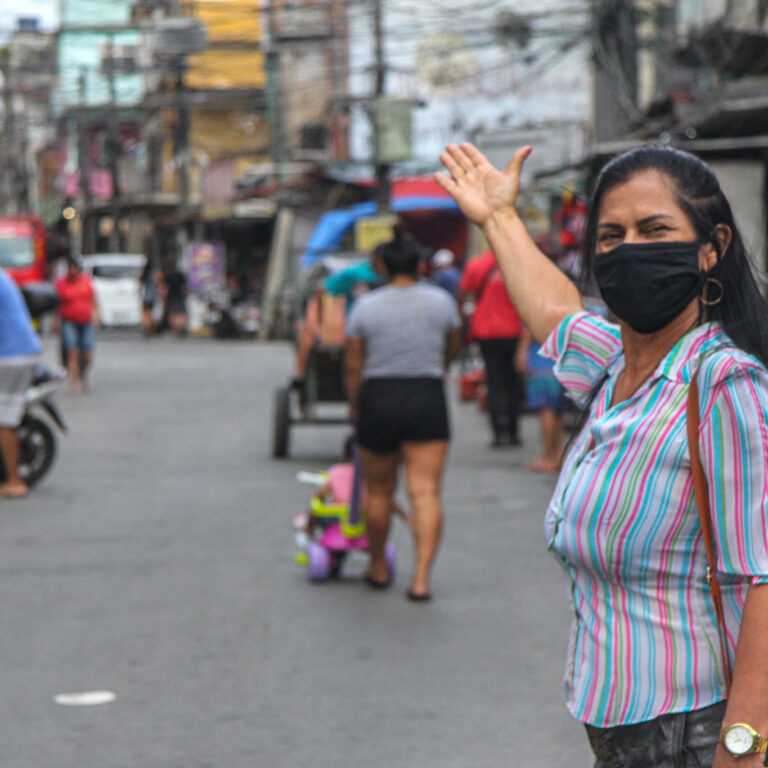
{"type": "Point", "coordinates": [675, 398]}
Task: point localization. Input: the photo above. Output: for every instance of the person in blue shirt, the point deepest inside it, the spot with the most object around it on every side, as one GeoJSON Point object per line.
{"type": "Point", "coordinates": [445, 274]}
{"type": "Point", "coordinates": [19, 350]}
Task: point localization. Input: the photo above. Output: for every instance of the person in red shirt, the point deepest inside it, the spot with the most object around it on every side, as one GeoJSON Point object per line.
{"type": "Point", "coordinates": [77, 312]}
{"type": "Point", "coordinates": [496, 326]}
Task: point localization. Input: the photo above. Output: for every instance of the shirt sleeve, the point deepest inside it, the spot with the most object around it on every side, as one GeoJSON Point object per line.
{"type": "Point", "coordinates": [734, 452]}
{"type": "Point", "coordinates": [582, 346]}
{"type": "Point", "coordinates": [469, 281]}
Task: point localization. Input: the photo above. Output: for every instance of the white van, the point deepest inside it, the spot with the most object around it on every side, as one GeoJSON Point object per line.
{"type": "Point", "coordinates": [117, 283]}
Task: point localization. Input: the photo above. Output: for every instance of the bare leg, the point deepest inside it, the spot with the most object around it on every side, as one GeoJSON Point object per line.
{"type": "Point", "coordinates": [380, 472]}
{"type": "Point", "coordinates": [73, 364]}
{"type": "Point", "coordinates": [146, 321]}
{"type": "Point", "coordinates": [85, 363]}
{"type": "Point", "coordinates": [424, 463]}
{"type": "Point", "coordinates": [552, 437]}
{"type": "Point", "coordinates": [9, 448]}
{"type": "Point", "coordinates": [178, 323]}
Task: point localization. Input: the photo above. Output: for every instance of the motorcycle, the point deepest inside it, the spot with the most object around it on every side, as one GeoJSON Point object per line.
{"type": "Point", "coordinates": [37, 441]}
{"type": "Point", "coordinates": [228, 318]}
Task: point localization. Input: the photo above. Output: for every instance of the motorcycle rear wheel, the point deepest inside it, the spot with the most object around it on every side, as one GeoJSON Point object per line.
{"type": "Point", "coordinates": [37, 449]}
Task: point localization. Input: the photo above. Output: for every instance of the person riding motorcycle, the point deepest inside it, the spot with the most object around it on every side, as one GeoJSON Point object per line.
{"type": "Point", "coordinates": [19, 353]}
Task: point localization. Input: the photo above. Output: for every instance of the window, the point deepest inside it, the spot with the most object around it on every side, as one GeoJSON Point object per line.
{"type": "Point", "coordinates": [16, 252]}
{"type": "Point", "coordinates": [117, 271]}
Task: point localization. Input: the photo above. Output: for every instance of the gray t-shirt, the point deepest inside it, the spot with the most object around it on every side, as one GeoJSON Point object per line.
{"type": "Point", "coordinates": [404, 329]}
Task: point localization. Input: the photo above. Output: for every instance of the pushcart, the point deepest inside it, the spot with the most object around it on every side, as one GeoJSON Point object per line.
{"type": "Point", "coordinates": [300, 401]}
{"type": "Point", "coordinates": [309, 397]}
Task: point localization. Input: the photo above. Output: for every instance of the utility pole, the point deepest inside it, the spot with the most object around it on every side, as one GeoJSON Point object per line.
{"type": "Point", "coordinates": [181, 152]}
{"type": "Point", "coordinates": [87, 239]}
{"type": "Point", "coordinates": [275, 96]}
{"type": "Point", "coordinates": [9, 139]}
{"type": "Point", "coordinates": [113, 147]}
{"type": "Point", "coordinates": [615, 60]}
{"type": "Point", "coordinates": [181, 135]}
{"type": "Point", "coordinates": [382, 170]}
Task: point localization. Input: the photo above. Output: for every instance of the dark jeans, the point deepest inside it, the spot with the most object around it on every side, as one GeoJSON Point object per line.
{"type": "Point", "coordinates": [505, 385]}
{"type": "Point", "coordinates": [683, 740]}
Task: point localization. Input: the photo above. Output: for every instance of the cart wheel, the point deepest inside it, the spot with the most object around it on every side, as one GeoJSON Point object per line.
{"type": "Point", "coordinates": [282, 423]}
{"type": "Point", "coordinates": [319, 562]}
{"type": "Point", "coordinates": [390, 553]}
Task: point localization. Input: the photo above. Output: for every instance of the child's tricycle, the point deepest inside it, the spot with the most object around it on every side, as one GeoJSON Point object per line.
{"type": "Point", "coordinates": [334, 526]}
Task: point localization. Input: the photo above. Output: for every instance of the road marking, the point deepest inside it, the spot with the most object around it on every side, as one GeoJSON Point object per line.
{"type": "Point", "coordinates": [85, 698]}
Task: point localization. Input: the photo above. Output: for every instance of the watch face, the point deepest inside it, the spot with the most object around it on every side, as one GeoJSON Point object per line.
{"type": "Point", "coordinates": [738, 740]}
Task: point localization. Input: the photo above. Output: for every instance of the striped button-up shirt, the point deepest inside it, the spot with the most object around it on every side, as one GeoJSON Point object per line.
{"type": "Point", "coordinates": [624, 523]}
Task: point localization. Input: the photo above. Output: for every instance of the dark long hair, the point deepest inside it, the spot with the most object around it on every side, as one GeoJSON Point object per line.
{"type": "Point", "coordinates": [742, 312]}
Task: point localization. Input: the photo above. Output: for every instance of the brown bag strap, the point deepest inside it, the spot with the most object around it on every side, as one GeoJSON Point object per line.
{"type": "Point", "coordinates": [701, 493]}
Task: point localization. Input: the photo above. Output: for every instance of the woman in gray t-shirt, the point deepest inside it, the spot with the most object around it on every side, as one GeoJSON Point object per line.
{"type": "Point", "coordinates": [400, 339]}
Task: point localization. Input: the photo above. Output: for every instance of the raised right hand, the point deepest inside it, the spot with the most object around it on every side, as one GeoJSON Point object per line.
{"type": "Point", "coordinates": [478, 187]}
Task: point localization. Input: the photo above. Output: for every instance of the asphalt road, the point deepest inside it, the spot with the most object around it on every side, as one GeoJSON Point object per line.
{"type": "Point", "coordinates": [156, 562]}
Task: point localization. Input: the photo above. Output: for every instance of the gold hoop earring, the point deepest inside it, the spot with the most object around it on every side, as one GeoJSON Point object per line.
{"type": "Point", "coordinates": [709, 302]}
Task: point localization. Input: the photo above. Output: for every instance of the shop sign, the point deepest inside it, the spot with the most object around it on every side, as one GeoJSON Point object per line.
{"type": "Point", "coordinates": [373, 231]}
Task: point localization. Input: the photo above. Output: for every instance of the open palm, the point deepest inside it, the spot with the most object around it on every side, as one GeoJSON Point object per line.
{"type": "Point", "coordinates": [480, 189]}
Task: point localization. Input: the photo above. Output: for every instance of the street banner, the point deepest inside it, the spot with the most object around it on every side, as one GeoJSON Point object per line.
{"type": "Point", "coordinates": [206, 267]}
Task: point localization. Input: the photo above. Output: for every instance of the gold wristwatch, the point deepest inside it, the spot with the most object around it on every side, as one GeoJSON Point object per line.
{"type": "Point", "coordinates": [741, 739]}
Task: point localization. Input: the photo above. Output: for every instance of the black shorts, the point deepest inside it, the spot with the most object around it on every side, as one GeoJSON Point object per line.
{"type": "Point", "coordinates": [393, 411]}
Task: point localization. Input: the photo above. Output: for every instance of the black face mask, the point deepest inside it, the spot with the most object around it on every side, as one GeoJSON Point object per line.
{"type": "Point", "coordinates": [649, 284]}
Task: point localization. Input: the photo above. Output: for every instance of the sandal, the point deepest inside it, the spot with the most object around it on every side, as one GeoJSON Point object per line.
{"type": "Point", "coordinates": [376, 584]}
{"type": "Point", "coordinates": [418, 597]}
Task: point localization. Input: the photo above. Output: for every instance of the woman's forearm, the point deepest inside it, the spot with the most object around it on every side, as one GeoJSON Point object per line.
{"type": "Point", "coordinates": [748, 698]}
{"type": "Point", "coordinates": [541, 293]}
{"type": "Point", "coordinates": [352, 378]}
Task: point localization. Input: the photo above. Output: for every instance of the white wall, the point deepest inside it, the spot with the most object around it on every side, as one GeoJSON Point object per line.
{"type": "Point", "coordinates": [743, 182]}
{"type": "Point", "coordinates": [506, 90]}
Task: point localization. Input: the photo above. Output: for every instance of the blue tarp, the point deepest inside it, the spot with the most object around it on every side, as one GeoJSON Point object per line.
{"type": "Point", "coordinates": [331, 228]}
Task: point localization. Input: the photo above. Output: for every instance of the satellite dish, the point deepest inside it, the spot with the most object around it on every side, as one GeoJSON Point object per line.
{"type": "Point", "coordinates": [445, 63]}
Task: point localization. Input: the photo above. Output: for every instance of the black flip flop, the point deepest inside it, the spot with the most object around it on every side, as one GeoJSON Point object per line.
{"type": "Point", "coordinates": [375, 584]}
{"type": "Point", "coordinates": [417, 598]}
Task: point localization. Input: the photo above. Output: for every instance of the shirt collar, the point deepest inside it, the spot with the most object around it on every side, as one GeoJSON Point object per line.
{"type": "Point", "coordinates": [682, 360]}
{"type": "Point", "coordinates": [677, 365]}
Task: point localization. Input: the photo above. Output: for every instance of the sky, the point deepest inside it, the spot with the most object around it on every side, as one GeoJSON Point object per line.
{"type": "Point", "coordinates": [46, 10]}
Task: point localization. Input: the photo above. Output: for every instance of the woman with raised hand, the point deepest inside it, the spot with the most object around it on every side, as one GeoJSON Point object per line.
{"type": "Point", "coordinates": [662, 500]}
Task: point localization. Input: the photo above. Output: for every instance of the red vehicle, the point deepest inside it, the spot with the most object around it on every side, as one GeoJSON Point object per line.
{"type": "Point", "coordinates": [22, 248]}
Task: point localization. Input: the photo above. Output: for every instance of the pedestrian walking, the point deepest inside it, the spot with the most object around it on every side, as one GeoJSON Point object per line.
{"type": "Point", "coordinates": [175, 290]}
{"type": "Point", "coordinates": [19, 351]}
{"type": "Point", "coordinates": [659, 515]}
{"type": "Point", "coordinates": [495, 325]}
{"type": "Point", "coordinates": [400, 340]}
{"type": "Point", "coordinates": [445, 273]}
{"type": "Point", "coordinates": [148, 298]}
{"type": "Point", "coordinates": [77, 314]}
{"type": "Point", "coordinates": [544, 395]}
{"type": "Point", "coordinates": [355, 281]}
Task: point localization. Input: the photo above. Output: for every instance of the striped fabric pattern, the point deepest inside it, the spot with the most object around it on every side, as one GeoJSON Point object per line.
{"type": "Point", "coordinates": [624, 524]}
